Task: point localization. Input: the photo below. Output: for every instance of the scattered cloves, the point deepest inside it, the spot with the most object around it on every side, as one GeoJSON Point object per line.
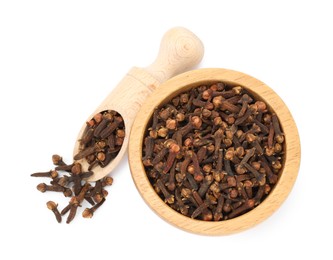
{"type": "Point", "coordinates": [100, 143]}
{"type": "Point", "coordinates": [75, 183]}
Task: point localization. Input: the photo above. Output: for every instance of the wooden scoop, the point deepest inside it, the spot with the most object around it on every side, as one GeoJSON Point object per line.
{"type": "Point", "coordinates": [180, 50]}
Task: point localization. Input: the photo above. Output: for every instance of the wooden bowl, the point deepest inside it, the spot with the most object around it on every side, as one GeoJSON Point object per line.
{"type": "Point", "coordinates": [184, 82]}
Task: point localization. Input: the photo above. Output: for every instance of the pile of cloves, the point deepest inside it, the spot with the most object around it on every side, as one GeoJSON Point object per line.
{"type": "Point", "coordinates": [214, 152]}
{"type": "Point", "coordinates": [102, 139]}
{"type": "Point", "coordinates": [100, 143]}
{"type": "Point", "coordinates": [71, 181]}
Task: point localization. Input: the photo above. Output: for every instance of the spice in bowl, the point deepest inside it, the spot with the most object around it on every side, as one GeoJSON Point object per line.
{"type": "Point", "coordinates": [214, 152]}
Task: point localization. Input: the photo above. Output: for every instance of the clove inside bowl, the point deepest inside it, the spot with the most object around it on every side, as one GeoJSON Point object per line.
{"type": "Point", "coordinates": [260, 91]}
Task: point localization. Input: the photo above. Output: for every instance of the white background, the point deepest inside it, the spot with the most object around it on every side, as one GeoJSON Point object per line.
{"type": "Point", "coordinates": [59, 59]}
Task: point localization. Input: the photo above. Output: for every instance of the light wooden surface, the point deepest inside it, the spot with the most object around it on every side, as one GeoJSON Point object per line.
{"type": "Point", "coordinates": [277, 196]}
{"type": "Point", "coordinates": [180, 50]}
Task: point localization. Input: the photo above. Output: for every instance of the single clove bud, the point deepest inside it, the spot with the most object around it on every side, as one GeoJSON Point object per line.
{"type": "Point", "coordinates": [42, 187]}
{"type": "Point", "coordinates": [89, 212]}
{"type": "Point", "coordinates": [249, 204]}
{"type": "Point", "coordinates": [54, 207]}
{"type": "Point", "coordinates": [170, 199]}
{"type": "Point", "coordinates": [51, 174]}
{"type": "Point", "coordinates": [57, 160]}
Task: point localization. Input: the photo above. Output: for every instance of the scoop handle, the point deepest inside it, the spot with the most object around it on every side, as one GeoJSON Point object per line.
{"type": "Point", "coordinates": [180, 50]}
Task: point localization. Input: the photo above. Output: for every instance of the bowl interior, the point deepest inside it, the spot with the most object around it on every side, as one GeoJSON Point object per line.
{"type": "Point", "coordinates": [260, 91]}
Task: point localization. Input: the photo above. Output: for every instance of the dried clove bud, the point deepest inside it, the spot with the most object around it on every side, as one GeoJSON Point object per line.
{"type": "Point", "coordinates": [54, 207]}
{"type": "Point", "coordinates": [89, 212]}
{"type": "Point", "coordinates": [51, 174]}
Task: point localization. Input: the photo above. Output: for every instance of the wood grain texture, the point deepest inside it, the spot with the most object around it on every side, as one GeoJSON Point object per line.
{"type": "Point", "coordinates": [182, 83]}
{"type": "Point", "coordinates": [180, 50]}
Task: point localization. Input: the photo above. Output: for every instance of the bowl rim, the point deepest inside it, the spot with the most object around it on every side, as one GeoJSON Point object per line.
{"type": "Point", "coordinates": [188, 80]}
